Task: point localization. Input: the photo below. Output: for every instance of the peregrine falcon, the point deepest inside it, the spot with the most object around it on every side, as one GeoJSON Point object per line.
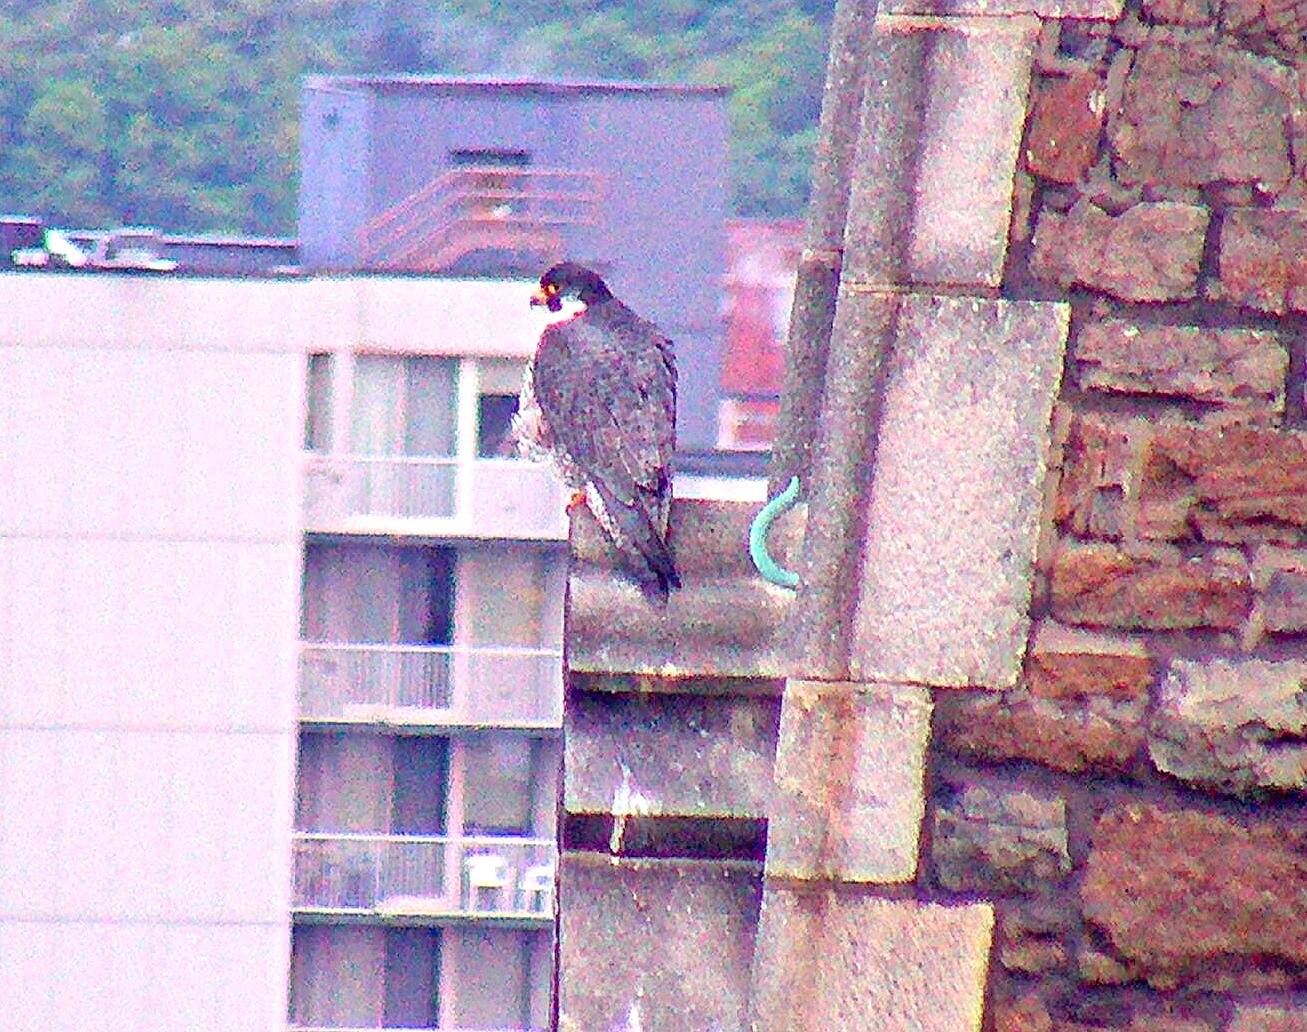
{"type": "Point", "coordinates": [599, 399]}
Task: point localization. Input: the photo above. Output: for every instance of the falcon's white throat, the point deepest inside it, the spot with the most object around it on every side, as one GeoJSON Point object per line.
{"type": "Point", "coordinates": [572, 307]}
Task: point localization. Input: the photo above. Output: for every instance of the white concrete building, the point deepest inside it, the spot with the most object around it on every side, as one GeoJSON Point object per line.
{"type": "Point", "coordinates": [280, 682]}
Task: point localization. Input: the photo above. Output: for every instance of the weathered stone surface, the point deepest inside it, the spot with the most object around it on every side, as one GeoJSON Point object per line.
{"type": "Point", "coordinates": [1150, 252]}
{"type": "Point", "coordinates": [1027, 1013]}
{"type": "Point", "coordinates": [1080, 705]}
{"type": "Point", "coordinates": [1232, 725]}
{"type": "Point", "coordinates": [1276, 27]}
{"type": "Point", "coordinates": [1280, 576]}
{"type": "Point", "coordinates": [1209, 364]}
{"type": "Point", "coordinates": [930, 202]}
{"type": "Point", "coordinates": [1195, 113]}
{"type": "Point", "coordinates": [1178, 12]}
{"type": "Point", "coordinates": [1178, 890]}
{"type": "Point", "coordinates": [848, 799]}
{"type": "Point", "coordinates": [1260, 260]}
{"type": "Point", "coordinates": [1101, 585]}
{"type": "Point", "coordinates": [1066, 122]}
{"type": "Point", "coordinates": [988, 840]}
{"type": "Point", "coordinates": [1257, 1017]}
{"type": "Point", "coordinates": [1007, 8]}
{"type": "Point", "coordinates": [953, 514]}
{"type": "Point", "coordinates": [1030, 938]}
{"type": "Point", "coordinates": [840, 960]}
{"type": "Point", "coordinates": [1098, 457]}
{"type": "Point", "coordinates": [678, 755]}
{"type": "Point", "coordinates": [655, 944]}
{"type": "Point", "coordinates": [1224, 484]}
{"type": "Point", "coordinates": [726, 618]}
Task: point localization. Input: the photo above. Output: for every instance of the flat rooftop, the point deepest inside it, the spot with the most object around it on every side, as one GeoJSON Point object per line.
{"type": "Point", "coordinates": [452, 84]}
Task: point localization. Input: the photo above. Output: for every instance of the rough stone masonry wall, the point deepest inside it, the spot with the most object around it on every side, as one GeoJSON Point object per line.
{"type": "Point", "coordinates": [1135, 807]}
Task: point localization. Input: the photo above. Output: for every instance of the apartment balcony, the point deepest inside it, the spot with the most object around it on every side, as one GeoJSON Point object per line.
{"type": "Point", "coordinates": [446, 497]}
{"type": "Point", "coordinates": [530, 212]}
{"type": "Point", "coordinates": [431, 685]}
{"type": "Point", "coordinates": [425, 876]}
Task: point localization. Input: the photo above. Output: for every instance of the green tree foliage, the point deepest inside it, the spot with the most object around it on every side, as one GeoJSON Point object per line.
{"type": "Point", "coordinates": [184, 113]}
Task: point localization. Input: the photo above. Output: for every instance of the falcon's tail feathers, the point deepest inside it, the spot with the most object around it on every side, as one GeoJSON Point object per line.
{"type": "Point", "coordinates": [644, 549]}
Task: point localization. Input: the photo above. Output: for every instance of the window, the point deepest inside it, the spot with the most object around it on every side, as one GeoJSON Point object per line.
{"type": "Point", "coordinates": [498, 385]}
{"type": "Point", "coordinates": [317, 412]}
{"type": "Point", "coordinates": [503, 782]}
{"type": "Point", "coordinates": [405, 405]}
{"type": "Point", "coordinates": [378, 594]}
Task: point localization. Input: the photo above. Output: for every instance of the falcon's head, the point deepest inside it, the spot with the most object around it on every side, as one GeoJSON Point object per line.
{"type": "Point", "coordinates": [566, 281]}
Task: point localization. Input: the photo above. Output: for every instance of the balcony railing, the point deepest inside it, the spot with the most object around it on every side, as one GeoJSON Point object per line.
{"type": "Point", "coordinates": [431, 685]}
{"type": "Point", "coordinates": [472, 209]}
{"type": "Point", "coordinates": [425, 876]}
{"type": "Point", "coordinates": [499, 498]}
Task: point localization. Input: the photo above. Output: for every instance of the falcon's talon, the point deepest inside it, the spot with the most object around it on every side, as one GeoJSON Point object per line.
{"type": "Point", "coordinates": [578, 498]}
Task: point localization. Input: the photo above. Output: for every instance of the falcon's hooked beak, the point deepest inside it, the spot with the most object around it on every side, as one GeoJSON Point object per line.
{"type": "Point", "coordinates": [547, 296]}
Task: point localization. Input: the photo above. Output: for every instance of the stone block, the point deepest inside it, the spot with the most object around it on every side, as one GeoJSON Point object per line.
{"type": "Point", "coordinates": [1031, 936]}
{"type": "Point", "coordinates": [1275, 27]}
{"type": "Point", "coordinates": [841, 960]}
{"type": "Point", "coordinates": [1280, 576]}
{"type": "Point", "coordinates": [1099, 456]}
{"type": "Point", "coordinates": [1108, 9]}
{"type": "Point", "coordinates": [1259, 260]}
{"type": "Point", "coordinates": [1102, 585]}
{"type": "Point", "coordinates": [1234, 726]}
{"type": "Point", "coordinates": [724, 621]}
{"type": "Point", "coordinates": [679, 755]}
{"type": "Point", "coordinates": [1194, 113]}
{"type": "Point", "coordinates": [1180, 892]}
{"type": "Point", "coordinates": [1066, 124]}
{"type": "Point", "coordinates": [1178, 12]}
{"type": "Point", "coordinates": [1209, 364]}
{"type": "Point", "coordinates": [1080, 706]}
{"type": "Point", "coordinates": [957, 491]}
{"type": "Point", "coordinates": [994, 840]}
{"type": "Point", "coordinates": [1259, 1017]}
{"type": "Point", "coordinates": [848, 798]}
{"type": "Point", "coordinates": [1149, 252]}
{"type": "Point", "coordinates": [655, 943]}
{"type": "Point", "coordinates": [931, 196]}
{"type": "Point", "coordinates": [818, 624]}
{"type": "Point", "coordinates": [1233, 484]}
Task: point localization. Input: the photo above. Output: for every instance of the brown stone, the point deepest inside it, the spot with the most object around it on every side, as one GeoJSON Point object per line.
{"type": "Point", "coordinates": [1232, 725]}
{"type": "Point", "coordinates": [1281, 579]}
{"type": "Point", "coordinates": [1029, 939]}
{"type": "Point", "coordinates": [1224, 484]}
{"type": "Point", "coordinates": [1194, 113]}
{"type": "Point", "coordinates": [1254, 1017]}
{"type": "Point", "coordinates": [1071, 664]}
{"type": "Point", "coordinates": [1097, 457]}
{"type": "Point", "coordinates": [1178, 890]}
{"type": "Point", "coordinates": [1097, 968]}
{"type": "Point", "coordinates": [1270, 26]}
{"type": "Point", "coordinates": [1150, 252]}
{"type": "Point", "coordinates": [1080, 705]}
{"type": "Point", "coordinates": [1066, 121]}
{"type": "Point", "coordinates": [1219, 366]}
{"type": "Point", "coordinates": [1178, 12]}
{"type": "Point", "coordinates": [989, 840]}
{"type": "Point", "coordinates": [1027, 1013]}
{"type": "Point", "coordinates": [1101, 585]}
{"type": "Point", "coordinates": [1260, 260]}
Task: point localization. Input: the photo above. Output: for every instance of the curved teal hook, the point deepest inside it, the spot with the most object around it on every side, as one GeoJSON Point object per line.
{"type": "Point", "coordinates": [761, 527]}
